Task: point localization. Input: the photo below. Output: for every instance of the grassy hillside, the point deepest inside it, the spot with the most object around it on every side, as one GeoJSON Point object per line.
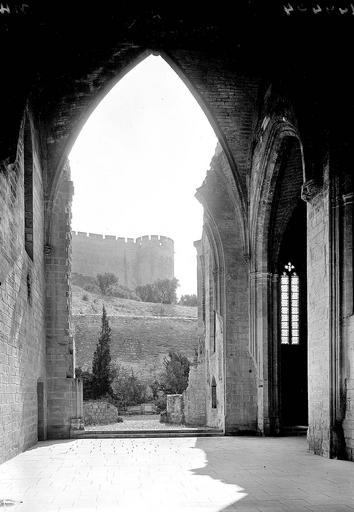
{"type": "Point", "coordinates": [89, 303]}
{"type": "Point", "coordinates": [142, 332]}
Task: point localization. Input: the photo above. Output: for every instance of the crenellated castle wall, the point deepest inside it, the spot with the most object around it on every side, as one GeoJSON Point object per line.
{"type": "Point", "coordinates": [135, 261]}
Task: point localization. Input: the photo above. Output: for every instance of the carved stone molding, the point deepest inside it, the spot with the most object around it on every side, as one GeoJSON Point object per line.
{"type": "Point", "coordinates": [310, 189]}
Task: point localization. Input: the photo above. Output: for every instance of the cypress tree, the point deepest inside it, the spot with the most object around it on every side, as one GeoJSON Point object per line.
{"type": "Point", "coordinates": [102, 359]}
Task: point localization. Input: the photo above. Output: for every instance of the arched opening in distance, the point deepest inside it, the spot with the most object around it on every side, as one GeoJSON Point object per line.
{"type": "Point", "coordinates": [293, 321]}
{"type": "Point", "coordinates": [287, 254]}
{"type": "Point", "coordinates": [135, 167]}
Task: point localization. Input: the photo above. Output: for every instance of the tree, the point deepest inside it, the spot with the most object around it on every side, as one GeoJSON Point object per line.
{"type": "Point", "coordinates": [102, 360]}
{"type": "Point", "coordinates": [174, 378]}
{"type": "Point", "coordinates": [167, 290]}
{"type": "Point", "coordinates": [146, 292]}
{"type": "Point", "coordinates": [162, 290]}
{"type": "Point", "coordinates": [106, 282]}
{"type": "Point", "coordinates": [188, 300]}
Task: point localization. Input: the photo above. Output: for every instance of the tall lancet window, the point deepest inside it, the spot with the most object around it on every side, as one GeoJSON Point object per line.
{"type": "Point", "coordinates": [289, 312]}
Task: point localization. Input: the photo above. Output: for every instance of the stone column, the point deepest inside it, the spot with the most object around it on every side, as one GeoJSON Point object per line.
{"type": "Point", "coordinates": [323, 317]}
{"type": "Point", "coordinates": [64, 394]}
{"type": "Point", "coordinates": [264, 340]}
{"type": "Point", "coordinates": [348, 260]}
{"type": "Point", "coordinates": [347, 360]}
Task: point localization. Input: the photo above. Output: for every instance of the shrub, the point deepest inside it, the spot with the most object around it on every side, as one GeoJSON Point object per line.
{"type": "Point", "coordinates": [161, 403]}
{"type": "Point", "coordinates": [127, 389]}
{"type": "Point", "coordinates": [174, 378]}
{"type": "Point", "coordinates": [85, 297]}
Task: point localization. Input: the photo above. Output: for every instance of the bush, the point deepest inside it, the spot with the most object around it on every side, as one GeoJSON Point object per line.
{"type": "Point", "coordinates": [127, 389]}
{"type": "Point", "coordinates": [174, 378]}
{"type": "Point", "coordinates": [161, 403]}
{"type": "Point", "coordinates": [85, 297]}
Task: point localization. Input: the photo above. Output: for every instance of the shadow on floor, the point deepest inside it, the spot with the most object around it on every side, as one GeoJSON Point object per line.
{"type": "Point", "coordinates": [276, 474]}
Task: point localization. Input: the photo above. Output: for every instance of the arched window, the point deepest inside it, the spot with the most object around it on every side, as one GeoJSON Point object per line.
{"type": "Point", "coordinates": [289, 308]}
{"type": "Point", "coordinates": [213, 394]}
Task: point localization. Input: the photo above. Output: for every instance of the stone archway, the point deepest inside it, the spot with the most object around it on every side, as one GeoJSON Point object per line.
{"type": "Point", "coordinates": [276, 192]}
{"type": "Point", "coordinates": [58, 250]}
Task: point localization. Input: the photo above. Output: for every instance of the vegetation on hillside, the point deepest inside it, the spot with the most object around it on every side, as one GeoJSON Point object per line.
{"type": "Point", "coordinates": [162, 290]}
{"type": "Point", "coordinates": [115, 382]}
{"type": "Point", "coordinates": [106, 284]}
{"type": "Point", "coordinates": [119, 385]}
{"type": "Point", "coordinates": [188, 300]}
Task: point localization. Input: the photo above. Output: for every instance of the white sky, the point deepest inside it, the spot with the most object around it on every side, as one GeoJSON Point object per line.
{"type": "Point", "coordinates": [138, 161]}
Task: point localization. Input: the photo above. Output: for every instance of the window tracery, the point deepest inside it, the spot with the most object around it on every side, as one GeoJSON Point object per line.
{"type": "Point", "coordinates": [289, 305]}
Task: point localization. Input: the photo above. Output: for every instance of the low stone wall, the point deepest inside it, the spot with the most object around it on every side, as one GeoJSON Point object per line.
{"type": "Point", "coordinates": [174, 409]}
{"type": "Point", "coordinates": [98, 412]}
{"type": "Point", "coordinates": [194, 397]}
{"type": "Point", "coordinates": [148, 408]}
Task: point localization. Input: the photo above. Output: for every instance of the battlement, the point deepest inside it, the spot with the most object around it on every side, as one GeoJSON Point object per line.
{"type": "Point", "coordinates": [135, 261]}
{"type": "Point", "coordinates": [147, 240]}
{"type": "Point", "coordinates": [155, 240]}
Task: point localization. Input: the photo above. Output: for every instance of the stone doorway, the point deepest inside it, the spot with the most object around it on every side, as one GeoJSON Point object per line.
{"type": "Point", "coordinates": [293, 322]}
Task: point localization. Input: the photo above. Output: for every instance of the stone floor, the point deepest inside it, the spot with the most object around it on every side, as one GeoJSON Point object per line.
{"type": "Point", "coordinates": [220, 474]}
{"type": "Point", "coordinates": [139, 422]}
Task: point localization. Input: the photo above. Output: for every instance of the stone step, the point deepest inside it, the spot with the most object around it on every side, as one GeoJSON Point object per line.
{"type": "Point", "coordinates": [129, 434]}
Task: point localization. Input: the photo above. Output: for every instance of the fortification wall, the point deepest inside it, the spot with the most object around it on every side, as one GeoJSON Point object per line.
{"type": "Point", "coordinates": [140, 343]}
{"type": "Point", "coordinates": [135, 262]}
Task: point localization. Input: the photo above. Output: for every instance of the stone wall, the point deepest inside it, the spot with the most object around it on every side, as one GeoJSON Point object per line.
{"type": "Point", "coordinates": [174, 409]}
{"type": "Point", "coordinates": [22, 301]}
{"type": "Point", "coordinates": [62, 399]}
{"type": "Point", "coordinates": [194, 396]}
{"type": "Point", "coordinates": [135, 262]}
{"type": "Point", "coordinates": [140, 343]}
{"type": "Point", "coordinates": [99, 412]}
{"type": "Point", "coordinates": [214, 340]}
{"type": "Point", "coordinates": [228, 360]}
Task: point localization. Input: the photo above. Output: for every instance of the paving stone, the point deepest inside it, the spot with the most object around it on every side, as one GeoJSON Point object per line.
{"type": "Point", "coordinates": [178, 475]}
